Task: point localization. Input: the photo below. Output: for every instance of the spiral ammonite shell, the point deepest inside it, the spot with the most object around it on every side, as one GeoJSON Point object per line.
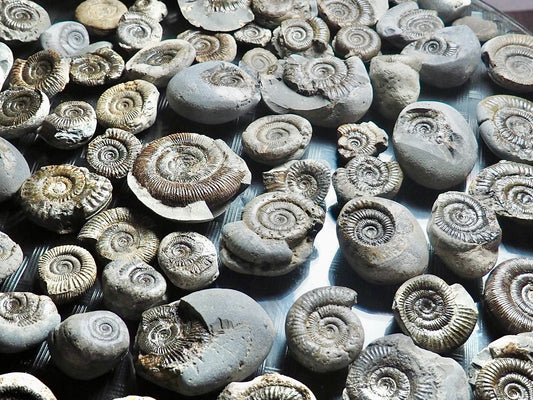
{"type": "Point", "coordinates": [465, 234]}
{"type": "Point", "coordinates": [131, 106]}
{"type": "Point", "coordinates": [357, 40]}
{"type": "Point", "coordinates": [99, 67]}
{"type": "Point", "coordinates": [112, 154]}
{"type": "Point", "coordinates": [66, 37]}
{"type": "Point", "coordinates": [153, 8]}
{"type": "Point", "coordinates": [136, 31]}
{"type": "Point", "coordinates": [217, 15]}
{"type": "Point", "coordinates": [188, 259]}
{"type": "Point", "coordinates": [187, 176]}
{"type": "Point", "coordinates": [259, 61]}
{"type": "Point", "coordinates": [209, 47]}
{"type": "Point", "coordinates": [119, 235]}
{"type": "Point", "coordinates": [510, 61]}
{"type": "Point", "coordinates": [507, 189]}
{"type": "Point", "coordinates": [310, 178]}
{"type": "Point", "coordinates": [66, 272]}
{"type": "Point", "coordinates": [308, 37]}
{"type": "Point", "coordinates": [10, 256]}
{"type": "Point", "coordinates": [100, 17]}
{"type": "Point", "coordinates": [62, 197]}
{"type": "Point", "coordinates": [267, 387]}
{"type": "Point", "coordinates": [14, 383]}
{"type": "Point", "coordinates": [22, 20]}
{"type": "Point", "coordinates": [508, 293]}
{"type": "Point", "coordinates": [270, 13]}
{"type": "Point", "coordinates": [323, 332]}
{"type": "Point", "coordinates": [253, 35]}
{"type": "Point", "coordinates": [339, 14]}
{"type": "Point", "coordinates": [275, 139]}
{"type": "Point", "coordinates": [367, 176]}
{"type": "Point", "coordinates": [436, 316]}
{"type": "Point", "coordinates": [364, 139]}
{"type": "Point", "coordinates": [506, 126]}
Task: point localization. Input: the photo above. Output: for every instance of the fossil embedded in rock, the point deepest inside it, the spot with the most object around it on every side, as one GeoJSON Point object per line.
{"type": "Point", "coordinates": [99, 67]}
{"type": "Point", "coordinates": [357, 40]}
{"type": "Point", "coordinates": [65, 37]}
{"type": "Point", "coordinates": [101, 17]}
{"type": "Point", "coordinates": [153, 8]}
{"type": "Point", "coordinates": [13, 384]}
{"type": "Point", "coordinates": [307, 37]}
{"type": "Point", "coordinates": [271, 13]}
{"type": "Point", "coordinates": [217, 15]}
{"type": "Point", "coordinates": [341, 13]}
{"type": "Point", "coordinates": [364, 139]}
{"type": "Point", "coordinates": [22, 110]}
{"type": "Point", "coordinates": [258, 61]}
{"type": "Point", "coordinates": [253, 35]}
{"type": "Point", "coordinates": [448, 10]}
{"type": "Point", "coordinates": [136, 31]}
{"type": "Point", "coordinates": [14, 170]}
{"type": "Point", "coordinates": [211, 47]}
{"type": "Point", "coordinates": [10, 256]}
{"type": "Point", "coordinates": [22, 20]}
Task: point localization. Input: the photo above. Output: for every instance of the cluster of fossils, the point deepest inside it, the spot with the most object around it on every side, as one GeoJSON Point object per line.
{"type": "Point", "coordinates": [315, 75]}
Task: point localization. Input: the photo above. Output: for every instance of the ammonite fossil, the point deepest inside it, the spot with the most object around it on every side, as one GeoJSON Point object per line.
{"type": "Point", "coordinates": [509, 59]}
{"type": "Point", "coordinates": [62, 197]}
{"type": "Point", "coordinates": [367, 176]}
{"type": "Point", "coordinates": [275, 139]}
{"type": "Point", "coordinates": [188, 259]}
{"type": "Point", "coordinates": [95, 68]}
{"type": "Point", "coordinates": [506, 126]}
{"type": "Point", "coordinates": [202, 341]}
{"type": "Point", "coordinates": [14, 170]}
{"type": "Point", "coordinates": [10, 256]}
{"type": "Point", "coordinates": [211, 46]}
{"type": "Point", "coordinates": [85, 346]}
{"type": "Point", "coordinates": [6, 62]}
{"type": "Point", "coordinates": [131, 287]}
{"type": "Point", "coordinates": [339, 13]}
{"type": "Point", "coordinates": [101, 44]}
{"type": "Point", "coordinates": [364, 139]}
{"type": "Point", "coordinates": [307, 37]}
{"type": "Point", "coordinates": [101, 17]}
{"type": "Point", "coordinates": [217, 15]}
{"type": "Point", "coordinates": [153, 8]}
{"type": "Point", "coordinates": [436, 316]}
{"type": "Point", "coordinates": [65, 37]}
{"type": "Point", "coordinates": [405, 23]}
{"type": "Point", "coordinates": [136, 31]}
{"type": "Point", "coordinates": [258, 61]}
{"type": "Point", "coordinates": [434, 144]}
{"type": "Point", "coordinates": [323, 332]}
{"type": "Point", "coordinates": [66, 272]}
{"type": "Point", "coordinates": [113, 153]}
{"type": "Point", "coordinates": [507, 189]}
{"type": "Point", "coordinates": [449, 10]}
{"type": "Point", "coordinates": [188, 177]}
{"type": "Point", "coordinates": [131, 106]}
{"type": "Point", "coordinates": [271, 13]}
{"type": "Point", "coordinates": [269, 387]}
{"type": "Point", "coordinates": [22, 110]}
{"type": "Point", "coordinates": [120, 235]}
{"type": "Point", "coordinates": [15, 383]}
{"type": "Point", "coordinates": [357, 40]}
{"type": "Point", "coordinates": [25, 320]}
{"type": "Point", "coordinates": [253, 35]}
{"type": "Point", "coordinates": [22, 20]}
{"type": "Point", "coordinates": [275, 235]}
{"type": "Point", "coordinates": [381, 240]}
{"type": "Point", "coordinates": [465, 234]}
{"type": "Point", "coordinates": [157, 64]}
{"type": "Point", "coordinates": [394, 368]}
{"type": "Point", "coordinates": [70, 126]}
{"type": "Point", "coordinates": [310, 178]}
{"type": "Point", "coordinates": [508, 293]}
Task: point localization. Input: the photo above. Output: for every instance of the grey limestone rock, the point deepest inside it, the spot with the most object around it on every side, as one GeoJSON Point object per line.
{"type": "Point", "coordinates": [65, 37]}
{"type": "Point", "coordinates": [153, 8]}
{"type": "Point", "coordinates": [10, 256]}
{"type": "Point", "coordinates": [14, 383]}
{"type": "Point", "coordinates": [448, 10]}
{"type": "Point", "coordinates": [483, 28]}
{"type": "Point", "coordinates": [6, 62]}
{"type": "Point", "coordinates": [14, 169]}
{"type": "Point", "coordinates": [22, 20]}
{"type": "Point", "coordinates": [274, 385]}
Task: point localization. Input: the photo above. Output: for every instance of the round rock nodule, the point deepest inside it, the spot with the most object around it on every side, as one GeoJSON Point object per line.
{"type": "Point", "coordinates": [16, 384]}
{"type": "Point", "coordinates": [14, 170]}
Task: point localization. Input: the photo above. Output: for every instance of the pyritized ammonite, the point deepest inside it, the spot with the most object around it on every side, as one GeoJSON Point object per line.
{"type": "Point", "coordinates": [188, 177]}
{"type": "Point", "coordinates": [95, 68]}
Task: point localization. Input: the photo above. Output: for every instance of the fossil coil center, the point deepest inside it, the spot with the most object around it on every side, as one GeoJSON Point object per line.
{"type": "Point", "coordinates": [521, 292]}
{"type": "Point", "coordinates": [371, 227]}
{"type": "Point", "coordinates": [389, 383]}
{"type": "Point", "coordinates": [520, 65]}
{"type": "Point", "coordinates": [105, 329]}
{"type": "Point", "coordinates": [19, 17]}
{"type": "Point", "coordinates": [138, 30]}
{"type": "Point", "coordinates": [463, 217]}
{"type": "Point", "coordinates": [64, 265]}
{"type": "Point", "coordinates": [157, 58]}
{"type": "Point", "coordinates": [142, 277]}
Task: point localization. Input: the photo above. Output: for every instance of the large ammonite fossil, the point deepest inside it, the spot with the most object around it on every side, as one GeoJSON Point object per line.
{"type": "Point", "coordinates": [65, 37]}
{"type": "Point", "coordinates": [343, 13]}
{"type": "Point", "coordinates": [22, 20]}
{"type": "Point", "coordinates": [217, 15]}
{"type": "Point", "coordinates": [188, 177]}
{"type": "Point", "coordinates": [95, 68]}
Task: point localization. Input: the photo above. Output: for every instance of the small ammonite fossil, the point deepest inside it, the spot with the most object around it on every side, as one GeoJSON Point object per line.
{"type": "Point", "coordinates": [323, 332]}
{"type": "Point", "coordinates": [11, 256]}
{"type": "Point", "coordinates": [153, 8]}
{"type": "Point", "coordinates": [508, 295]}
{"type": "Point", "coordinates": [158, 63]}
{"type": "Point", "coordinates": [268, 387]}
{"type": "Point", "coordinates": [509, 59]}
{"type": "Point", "coordinates": [367, 176]}
{"type": "Point", "coordinates": [436, 316]}
{"type": "Point", "coordinates": [85, 346]}
{"type": "Point", "coordinates": [465, 234]}
{"type": "Point", "coordinates": [22, 20]}
{"type": "Point", "coordinates": [25, 320]}
{"type": "Point", "coordinates": [506, 126]}
{"type": "Point", "coordinates": [62, 197]}
{"type": "Point", "coordinates": [65, 37]}
{"type": "Point", "coordinates": [66, 272]}
{"type": "Point", "coordinates": [381, 240]}
{"type": "Point", "coordinates": [258, 61]}
{"type": "Point", "coordinates": [131, 287]}
{"type": "Point", "coordinates": [310, 178]}
{"type": "Point", "coordinates": [342, 13]}
{"type": "Point", "coordinates": [188, 259]}
{"type": "Point", "coordinates": [275, 235]}
{"type": "Point", "coordinates": [99, 67]}
{"type": "Point", "coordinates": [14, 170]}
{"type": "Point", "coordinates": [357, 40]}
{"type": "Point", "coordinates": [276, 139]}
{"type": "Point", "coordinates": [364, 139]}
{"type": "Point", "coordinates": [307, 37]}
{"type": "Point", "coordinates": [16, 384]}
{"type": "Point", "coordinates": [136, 31]}
{"type": "Point", "coordinates": [131, 106]}
{"type": "Point", "coordinates": [271, 13]}
{"type": "Point", "coordinates": [120, 235]}
{"type": "Point", "coordinates": [22, 110]}
{"type": "Point", "coordinates": [188, 177]}
{"type": "Point", "coordinates": [253, 35]}
{"type": "Point", "coordinates": [101, 17]}
{"type": "Point", "coordinates": [70, 126]}
{"type": "Point", "coordinates": [113, 153]}
{"type": "Point", "coordinates": [394, 368]}
{"type": "Point", "coordinates": [507, 189]}
{"type": "Point", "coordinates": [217, 15]}
{"type": "Point", "coordinates": [211, 46]}
{"type": "Point", "coordinates": [503, 370]}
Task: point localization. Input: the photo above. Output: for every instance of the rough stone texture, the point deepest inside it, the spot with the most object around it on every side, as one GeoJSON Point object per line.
{"type": "Point", "coordinates": [15, 383]}
{"type": "Point", "coordinates": [65, 37]}
{"type": "Point", "coordinates": [10, 256]}
{"type": "Point", "coordinates": [6, 62]}
{"type": "Point", "coordinates": [273, 386]}
{"type": "Point", "coordinates": [35, 20]}
{"type": "Point", "coordinates": [448, 10]}
{"type": "Point", "coordinates": [484, 29]}
{"type": "Point", "coordinates": [14, 170]}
